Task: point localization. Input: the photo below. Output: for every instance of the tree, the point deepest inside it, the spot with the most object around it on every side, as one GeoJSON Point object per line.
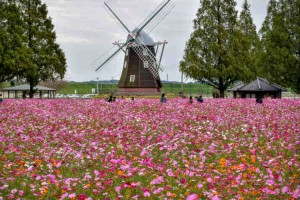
{"type": "Point", "coordinates": [213, 50]}
{"type": "Point", "coordinates": [250, 43]}
{"type": "Point", "coordinates": [280, 56]}
{"type": "Point", "coordinates": [48, 59]}
{"type": "Point", "coordinates": [36, 44]}
{"type": "Point", "coordinates": [14, 54]}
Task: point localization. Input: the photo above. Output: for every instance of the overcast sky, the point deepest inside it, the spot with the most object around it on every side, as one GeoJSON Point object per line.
{"type": "Point", "coordinates": [85, 31]}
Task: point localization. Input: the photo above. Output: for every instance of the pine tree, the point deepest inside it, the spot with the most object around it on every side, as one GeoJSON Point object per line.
{"type": "Point", "coordinates": [280, 32]}
{"type": "Point", "coordinates": [292, 19]}
{"type": "Point", "coordinates": [213, 50]}
{"type": "Point", "coordinates": [250, 43]}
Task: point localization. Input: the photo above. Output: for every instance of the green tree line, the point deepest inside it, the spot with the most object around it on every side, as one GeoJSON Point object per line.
{"type": "Point", "coordinates": [28, 48]}
{"type": "Point", "coordinates": [225, 46]}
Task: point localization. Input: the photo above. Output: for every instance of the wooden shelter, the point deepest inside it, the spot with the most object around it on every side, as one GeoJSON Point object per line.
{"type": "Point", "coordinates": [258, 88]}
{"type": "Point", "coordinates": [20, 91]}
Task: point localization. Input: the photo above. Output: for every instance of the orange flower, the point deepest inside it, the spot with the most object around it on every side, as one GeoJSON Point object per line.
{"type": "Point", "coordinates": [244, 160]}
{"type": "Point", "coordinates": [222, 162]}
{"type": "Point", "coordinates": [253, 160]}
{"type": "Point", "coordinates": [120, 173]}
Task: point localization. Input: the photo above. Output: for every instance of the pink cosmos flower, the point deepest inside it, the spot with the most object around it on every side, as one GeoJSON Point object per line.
{"type": "Point", "coordinates": [209, 180]}
{"type": "Point", "coordinates": [96, 172]}
{"type": "Point", "coordinates": [118, 189]}
{"type": "Point", "coordinates": [215, 198]}
{"type": "Point", "coordinates": [157, 180]}
{"type": "Point", "coordinates": [21, 192]}
{"type": "Point", "coordinates": [147, 194]}
{"type": "Point", "coordinates": [296, 193]}
{"type": "Point", "coordinates": [192, 197]}
{"type": "Point", "coordinates": [159, 190]}
{"type": "Point", "coordinates": [14, 191]}
{"type": "Point", "coordinates": [64, 195]}
{"type": "Point", "coordinates": [285, 189]}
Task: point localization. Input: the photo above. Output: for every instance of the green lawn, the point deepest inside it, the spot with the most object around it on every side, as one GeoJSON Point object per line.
{"type": "Point", "coordinates": [169, 88]}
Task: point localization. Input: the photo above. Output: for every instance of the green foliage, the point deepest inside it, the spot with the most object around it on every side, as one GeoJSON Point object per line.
{"type": "Point", "coordinates": [214, 51]}
{"type": "Point", "coordinates": [14, 54]}
{"type": "Point", "coordinates": [250, 44]}
{"type": "Point", "coordinates": [29, 50]}
{"type": "Point", "coordinates": [280, 57]}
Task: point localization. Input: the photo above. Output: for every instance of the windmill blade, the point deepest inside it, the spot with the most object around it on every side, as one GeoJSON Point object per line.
{"type": "Point", "coordinates": [119, 44]}
{"type": "Point", "coordinates": [112, 56]}
{"type": "Point", "coordinates": [115, 5]}
{"type": "Point", "coordinates": [149, 53]}
{"type": "Point", "coordinates": [139, 47]}
{"type": "Point", "coordinates": [153, 15]}
{"type": "Point", "coordinates": [159, 17]}
{"type": "Point", "coordinates": [162, 52]}
{"type": "Point", "coordinates": [116, 16]}
{"type": "Point", "coordinates": [151, 64]}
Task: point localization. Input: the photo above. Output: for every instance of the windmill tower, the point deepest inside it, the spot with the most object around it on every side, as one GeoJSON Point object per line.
{"type": "Point", "coordinates": [141, 66]}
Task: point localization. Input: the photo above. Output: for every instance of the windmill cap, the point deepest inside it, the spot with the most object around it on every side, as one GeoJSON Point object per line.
{"type": "Point", "coordinates": [144, 37]}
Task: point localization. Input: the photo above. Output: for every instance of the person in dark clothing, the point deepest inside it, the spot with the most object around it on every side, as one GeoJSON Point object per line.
{"type": "Point", "coordinates": [191, 99]}
{"type": "Point", "coordinates": [110, 99]}
{"type": "Point", "coordinates": [1, 98]}
{"type": "Point", "coordinates": [163, 99]}
{"type": "Point", "coordinates": [259, 100]}
{"type": "Point", "coordinates": [200, 99]}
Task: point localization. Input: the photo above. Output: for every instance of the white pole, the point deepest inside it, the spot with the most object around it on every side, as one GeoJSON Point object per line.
{"type": "Point", "coordinates": [97, 87]}
{"type": "Point", "coordinates": [181, 81]}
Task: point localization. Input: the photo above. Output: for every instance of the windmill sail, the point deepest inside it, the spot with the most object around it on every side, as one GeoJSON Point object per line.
{"type": "Point", "coordinates": [140, 69]}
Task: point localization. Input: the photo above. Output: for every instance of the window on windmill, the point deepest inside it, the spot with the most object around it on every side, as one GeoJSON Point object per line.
{"type": "Point", "coordinates": [145, 52]}
{"type": "Point", "coordinates": [125, 64]}
{"type": "Point", "coordinates": [132, 78]}
{"type": "Point", "coordinates": [146, 64]}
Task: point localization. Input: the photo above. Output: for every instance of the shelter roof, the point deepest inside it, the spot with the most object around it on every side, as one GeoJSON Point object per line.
{"type": "Point", "coordinates": [26, 87]}
{"type": "Point", "coordinates": [259, 84]}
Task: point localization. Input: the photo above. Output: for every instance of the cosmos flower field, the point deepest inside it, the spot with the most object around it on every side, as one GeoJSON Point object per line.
{"type": "Point", "coordinates": [91, 149]}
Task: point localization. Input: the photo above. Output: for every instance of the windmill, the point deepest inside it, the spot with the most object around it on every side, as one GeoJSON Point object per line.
{"type": "Point", "coordinates": [141, 67]}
